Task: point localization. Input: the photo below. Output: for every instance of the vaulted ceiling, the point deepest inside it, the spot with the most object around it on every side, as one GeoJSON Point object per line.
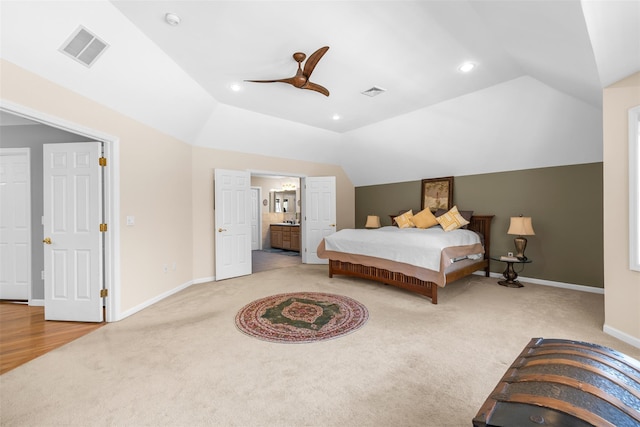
{"type": "Point", "coordinates": [533, 99]}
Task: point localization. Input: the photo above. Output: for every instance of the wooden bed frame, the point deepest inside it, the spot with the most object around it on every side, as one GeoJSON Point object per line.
{"type": "Point", "coordinates": [479, 223]}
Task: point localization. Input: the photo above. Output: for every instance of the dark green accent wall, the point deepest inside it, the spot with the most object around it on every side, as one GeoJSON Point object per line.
{"type": "Point", "coordinates": [564, 202]}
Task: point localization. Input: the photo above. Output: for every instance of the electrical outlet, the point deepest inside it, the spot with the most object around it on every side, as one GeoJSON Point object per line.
{"type": "Point", "coordinates": [165, 268]}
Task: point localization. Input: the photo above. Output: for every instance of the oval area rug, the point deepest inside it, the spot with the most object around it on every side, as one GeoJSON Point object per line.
{"type": "Point", "coordinates": [301, 317]}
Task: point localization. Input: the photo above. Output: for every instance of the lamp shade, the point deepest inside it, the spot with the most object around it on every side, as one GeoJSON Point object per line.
{"type": "Point", "coordinates": [521, 226]}
{"type": "Point", "coordinates": [373, 221]}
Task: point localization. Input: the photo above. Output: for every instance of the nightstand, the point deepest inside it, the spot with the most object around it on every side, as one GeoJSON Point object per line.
{"type": "Point", "coordinates": [509, 273]}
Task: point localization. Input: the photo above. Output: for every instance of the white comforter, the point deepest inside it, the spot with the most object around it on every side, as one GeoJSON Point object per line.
{"type": "Point", "coordinates": [415, 246]}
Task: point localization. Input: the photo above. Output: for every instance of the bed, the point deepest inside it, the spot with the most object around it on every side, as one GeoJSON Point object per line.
{"type": "Point", "coordinates": [391, 268]}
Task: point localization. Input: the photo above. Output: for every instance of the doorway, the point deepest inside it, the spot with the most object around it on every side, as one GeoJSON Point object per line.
{"type": "Point", "coordinates": [53, 129]}
{"type": "Point", "coordinates": [279, 203]}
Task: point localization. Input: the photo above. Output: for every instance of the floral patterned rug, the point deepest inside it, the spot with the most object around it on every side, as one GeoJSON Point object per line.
{"type": "Point", "coordinates": [301, 317]}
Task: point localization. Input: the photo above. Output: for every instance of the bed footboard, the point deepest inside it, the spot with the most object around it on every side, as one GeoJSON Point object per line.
{"type": "Point", "coordinates": [428, 289]}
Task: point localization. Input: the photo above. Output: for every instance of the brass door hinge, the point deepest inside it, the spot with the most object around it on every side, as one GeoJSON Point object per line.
{"type": "Point", "coordinates": [102, 161]}
{"type": "Point", "coordinates": [103, 228]}
{"type": "Point", "coordinates": [104, 293]}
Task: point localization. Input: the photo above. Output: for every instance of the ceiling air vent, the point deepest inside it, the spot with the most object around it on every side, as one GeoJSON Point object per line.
{"type": "Point", "coordinates": [373, 91]}
{"type": "Point", "coordinates": [83, 46]}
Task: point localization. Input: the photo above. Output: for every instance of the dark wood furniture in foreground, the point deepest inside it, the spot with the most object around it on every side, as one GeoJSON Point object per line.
{"type": "Point", "coordinates": [478, 223]}
{"type": "Point", "coordinates": [556, 382]}
{"type": "Point", "coordinates": [510, 275]}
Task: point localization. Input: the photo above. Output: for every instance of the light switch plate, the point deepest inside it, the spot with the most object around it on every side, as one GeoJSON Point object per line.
{"type": "Point", "coordinates": [131, 220]}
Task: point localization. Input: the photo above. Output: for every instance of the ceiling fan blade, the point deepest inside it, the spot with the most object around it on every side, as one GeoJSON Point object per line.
{"type": "Point", "coordinates": [314, 86]}
{"type": "Point", "coordinates": [287, 80]}
{"type": "Point", "coordinates": [312, 61]}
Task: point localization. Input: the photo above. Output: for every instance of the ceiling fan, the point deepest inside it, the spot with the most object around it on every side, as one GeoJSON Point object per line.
{"type": "Point", "coordinates": [301, 79]}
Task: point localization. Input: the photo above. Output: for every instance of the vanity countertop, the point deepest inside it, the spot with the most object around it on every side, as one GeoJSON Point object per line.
{"type": "Point", "coordinates": [287, 224]}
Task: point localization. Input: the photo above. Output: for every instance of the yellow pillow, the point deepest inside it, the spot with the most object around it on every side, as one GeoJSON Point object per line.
{"type": "Point", "coordinates": [404, 220]}
{"type": "Point", "coordinates": [424, 219]}
{"type": "Point", "coordinates": [452, 220]}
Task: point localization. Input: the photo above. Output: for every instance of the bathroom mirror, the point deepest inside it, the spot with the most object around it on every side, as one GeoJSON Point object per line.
{"type": "Point", "coordinates": [282, 201]}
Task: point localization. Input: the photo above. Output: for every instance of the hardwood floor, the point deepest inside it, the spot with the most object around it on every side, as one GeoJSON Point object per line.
{"type": "Point", "coordinates": [25, 335]}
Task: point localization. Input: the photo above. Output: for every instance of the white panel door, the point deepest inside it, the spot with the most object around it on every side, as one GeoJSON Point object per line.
{"type": "Point", "coordinates": [232, 223]}
{"type": "Point", "coordinates": [256, 219]}
{"type": "Point", "coordinates": [72, 238]}
{"type": "Point", "coordinates": [15, 224]}
{"type": "Point", "coordinates": [319, 212]}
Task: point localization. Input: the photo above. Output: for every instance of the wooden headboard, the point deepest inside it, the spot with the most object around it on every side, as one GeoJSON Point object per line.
{"type": "Point", "coordinates": [482, 224]}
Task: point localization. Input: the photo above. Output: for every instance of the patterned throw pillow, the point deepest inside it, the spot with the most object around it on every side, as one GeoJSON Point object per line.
{"type": "Point", "coordinates": [452, 220]}
{"type": "Point", "coordinates": [465, 214]}
{"type": "Point", "coordinates": [404, 220]}
{"type": "Point", "coordinates": [424, 219]}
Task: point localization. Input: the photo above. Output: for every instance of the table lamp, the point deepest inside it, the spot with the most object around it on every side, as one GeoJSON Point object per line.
{"type": "Point", "coordinates": [373, 221]}
{"type": "Point", "coordinates": [521, 226]}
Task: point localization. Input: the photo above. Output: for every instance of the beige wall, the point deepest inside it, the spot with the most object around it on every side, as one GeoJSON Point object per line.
{"type": "Point", "coordinates": [166, 184]}
{"type": "Point", "coordinates": [205, 160]}
{"type": "Point", "coordinates": [155, 171]}
{"type": "Point", "coordinates": [622, 286]}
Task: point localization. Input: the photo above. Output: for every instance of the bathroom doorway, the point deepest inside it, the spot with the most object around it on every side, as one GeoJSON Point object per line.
{"type": "Point", "coordinates": [278, 208]}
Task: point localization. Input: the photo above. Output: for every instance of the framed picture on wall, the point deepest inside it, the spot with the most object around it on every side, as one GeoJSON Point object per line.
{"type": "Point", "coordinates": [437, 193]}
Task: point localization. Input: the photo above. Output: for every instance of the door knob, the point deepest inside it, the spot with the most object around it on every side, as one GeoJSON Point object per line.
{"type": "Point", "coordinates": [47, 240]}
{"type": "Point", "coordinates": [220, 230]}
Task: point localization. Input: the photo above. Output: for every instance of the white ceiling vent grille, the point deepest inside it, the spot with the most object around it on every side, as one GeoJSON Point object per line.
{"type": "Point", "coordinates": [374, 91]}
{"type": "Point", "coordinates": [83, 46]}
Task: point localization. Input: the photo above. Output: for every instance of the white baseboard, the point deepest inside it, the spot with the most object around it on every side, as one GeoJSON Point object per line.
{"type": "Point", "coordinates": [622, 336]}
{"type": "Point", "coordinates": [543, 282]}
{"type": "Point", "coordinates": [162, 296]}
{"type": "Point", "coordinates": [204, 280]}
{"type": "Point", "coordinates": [152, 301]}
{"type": "Point", "coordinates": [148, 303]}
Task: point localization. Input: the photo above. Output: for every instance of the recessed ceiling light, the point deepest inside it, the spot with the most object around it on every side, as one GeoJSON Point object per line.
{"type": "Point", "coordinates": [235, 87]}
{"type": "Point", "coordinates": [172, 19]}
{"type": "Point", "coordinates": [336, 117]}
{"type": "Point", "coordinates": [466, 67]}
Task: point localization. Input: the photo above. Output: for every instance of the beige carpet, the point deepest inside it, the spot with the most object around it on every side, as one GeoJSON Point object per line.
{"type": "Point", "coordinates": [182, 362]}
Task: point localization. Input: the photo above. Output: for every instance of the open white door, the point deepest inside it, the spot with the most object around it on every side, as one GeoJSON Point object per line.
{"type": "Point", "coordinates": [232, 223]}
{"type": "Point", "coordinates": [15, 224]}
{"type": "Point", "coordinates": [319, 210]}
{"type": "Point", "coordinates": [72, 241]}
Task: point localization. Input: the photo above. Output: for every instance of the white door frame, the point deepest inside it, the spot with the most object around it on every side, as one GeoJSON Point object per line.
{"type": "Point", "coordinates": [111, 204]}
{"type": "Point", "coordinates": [26, 152]}
{"type": "Point", "coordinates": [259, 210]}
